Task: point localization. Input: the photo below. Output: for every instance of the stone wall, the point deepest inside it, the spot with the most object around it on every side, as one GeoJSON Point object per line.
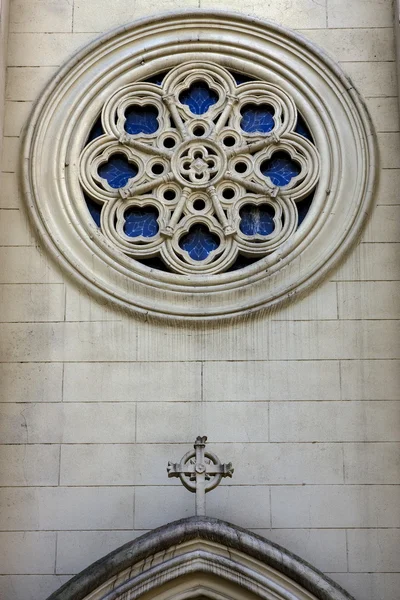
{"type": "Point", "coordinates": [304, 403]}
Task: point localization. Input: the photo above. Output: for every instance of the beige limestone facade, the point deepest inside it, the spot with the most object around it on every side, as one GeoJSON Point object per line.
{"type": "Point", "coordinates": [304, 401]}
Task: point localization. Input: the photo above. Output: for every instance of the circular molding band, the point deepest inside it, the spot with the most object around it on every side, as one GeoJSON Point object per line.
{"type": "Point", "coordinates": [338, 167]}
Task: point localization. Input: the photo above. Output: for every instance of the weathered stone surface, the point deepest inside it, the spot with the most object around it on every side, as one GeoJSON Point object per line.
{"type": "Point", "coordinates": [223, 536]}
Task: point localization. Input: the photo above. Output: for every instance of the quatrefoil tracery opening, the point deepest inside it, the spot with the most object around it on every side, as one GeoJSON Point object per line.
{"type": "Point", "coordinates": [199, 169]}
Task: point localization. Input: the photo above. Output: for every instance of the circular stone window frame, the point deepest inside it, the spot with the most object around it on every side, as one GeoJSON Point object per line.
{"type": "Point", "coordinates": [335, 113]}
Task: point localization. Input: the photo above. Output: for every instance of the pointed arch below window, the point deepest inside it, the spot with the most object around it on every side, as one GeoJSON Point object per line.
{"type": "Point", "coordinates": [200, 558]}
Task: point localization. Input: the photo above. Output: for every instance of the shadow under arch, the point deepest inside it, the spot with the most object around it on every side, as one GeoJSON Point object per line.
{"type": "Point", "coordinates": [200, 558]}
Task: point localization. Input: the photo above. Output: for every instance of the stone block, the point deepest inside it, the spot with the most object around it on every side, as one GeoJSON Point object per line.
{"type": "Point", "coordinates": [388, 185]}
{"type": "Point", "coordinates": [129, 382]}
{"type": "Point", "coordinates": [222, 421]}
{"type": "Point", "coordinates": [86, 341]}
{"type": "Point", "coordinates": [355, 45]}
{"type": "Point", "coordinates": [277, 464]}
{"type": "Point", "coordinates": [87, 17]}
{"type": "Point", "coordinates": [157, 505]}
{"type": "Point", "coordinates": [372, 550]}
{"type": "Point", "coordinates": [384, 225]}
{"type": "Point", "coordinates": [320, 304]}
{"type": "Point", "coordinates": [385, 113]}
{"type": "Point", "coordinates": [293, 13]}
{"type": "Point", "coordinates": [375, 262]}
{"type": "Point", "coordinates": [31, 382]}
{"type": "Point", "coordinates": [231, 503]}
{"type": "Point", "coordinates": [271, 381]}
{"type": "Point", "coordinates": [31, 423]}
{"type": "Point", "coordinates": [36, 342]}
{"type": "Point", "coordinates": [14, 230]}
{"type": "Point", "coordinates": [81, 306]}
{"type": "Point", "coordinates": [334, 340]}
{"type": "Point", "coordinates": [360, 13]}
{"type": "Point", "coordinates": [10, 155]}
{"type": "Point", "coordinates": [98, 422]}
{"type": "Point", "coordinates": [370, 586]}
{"type": "Point", "coordinates": [68, 423]}
{"type": "Point", "coordinates": [100, 464]}
{"type": "Point", "coordinates": [16, 115]}
{"type": "Point", "coordinates": [370, 379]}
{"type": "Point", "coordinates": [32, 302]}
{"type": "Point", "coordinates": [334, 421]}
{"type": "Point", "coordinates": [24, 84]}
{"type": "Point", "coordinates": [335, 506]}
{"type": "Point", "coordinates": [26, 265]}
{"type": "Point", "coordinates": [9, 196]}
{"type": "Point", "coordinates": [44, 49]}
{"type": "Point", "coordinates": [373, 79]}
{"type": "Point", "coordinates": [65, 508]}
{"type": "Point", "coordinates": [44, 342]}
{"type": "Point", "coordinates": [118, 464]}
{"type": "Point", "coordinates": [325, 549]}
{"type": "Point", "coordinates": [76, 550]}
{"type": "Point", "coordinates": [373, 463]}
{"type": "Point", "coordinates": [369, 300]}
{"type": "Point", "coordinates": [27, 552]}
{"type": "Point", "coordinates": [40, 16]}
{"type": "Point", "coordinates": [29, 465]}
{"type": "Point", "coordinates": [389, 146]}
{"type": "Point", "coordinates": [29, 587]}
{"type": "Point", "coordinates": [245, 341]}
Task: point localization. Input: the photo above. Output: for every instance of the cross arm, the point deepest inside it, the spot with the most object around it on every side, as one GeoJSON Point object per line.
{"type": "Point", "coordinates": [177, 469]}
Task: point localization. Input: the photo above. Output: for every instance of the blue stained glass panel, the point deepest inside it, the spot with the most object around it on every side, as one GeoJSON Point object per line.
{"type": "Point", "coordinates": [141, 119]}
{"type": "Point", "coordinates": [117, 171]}
{"type": "Point", "coordinates": [302, 128]}
{"type": "Point", "coordinates": [257, 220]}
{"type": "Point", "coordinates": [141, 221]}
{"type": "Point", "coordinates": [280, 168]}
{"type": "Point", "coordinates": [199, 97]}
{"type": "Point", "coordinates": [199, 242]}
{"type": "Point", "coordinates": [257, 118]}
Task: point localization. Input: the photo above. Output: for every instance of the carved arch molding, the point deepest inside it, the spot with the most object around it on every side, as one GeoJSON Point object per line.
{"type": "Point", "coordinates": [200, 558]}
{"type": "Point", "coordinates": [199, 166]}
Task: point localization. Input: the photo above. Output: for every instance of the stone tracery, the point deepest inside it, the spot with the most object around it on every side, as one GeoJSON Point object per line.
{"type": "Point", "coordinates": [97, 142]}
{"type": "Point", "coordinates": [199, 169]}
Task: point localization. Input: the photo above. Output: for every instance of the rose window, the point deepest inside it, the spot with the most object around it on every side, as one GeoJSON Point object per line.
{"type": "Point", "coordinates": [199, 170]}
{"type": "Point", "coordinates": [199, 166]}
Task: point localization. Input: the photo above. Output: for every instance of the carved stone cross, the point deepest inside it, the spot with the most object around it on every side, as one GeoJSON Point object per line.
{"type": "Point", "coordinates": [200, 471]}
